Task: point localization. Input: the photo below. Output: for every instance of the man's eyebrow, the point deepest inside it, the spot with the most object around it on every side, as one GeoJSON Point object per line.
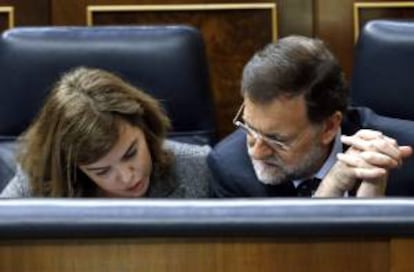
{"type": "Point", "coordinates": [134, 142]}
{"type": "Point", "coordinates": [275, 136]}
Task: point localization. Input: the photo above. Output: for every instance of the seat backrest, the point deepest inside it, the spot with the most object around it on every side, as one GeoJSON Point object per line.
{"type": "Point", "coordinates": [168, 62]}
{"type": "Point", "coordinates": [383, 81]}
{"type": "Point", "coordinates": [383, 77]}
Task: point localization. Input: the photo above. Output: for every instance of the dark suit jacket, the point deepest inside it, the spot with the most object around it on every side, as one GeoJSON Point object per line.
{"type": "Point", "coordinates": [234, 174]}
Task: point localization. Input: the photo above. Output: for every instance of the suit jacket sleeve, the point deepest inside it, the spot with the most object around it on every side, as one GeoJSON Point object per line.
{"type": "Point", "coordinates": [221, 184]}
{"type": "Point", "coordinates": [232, 169]}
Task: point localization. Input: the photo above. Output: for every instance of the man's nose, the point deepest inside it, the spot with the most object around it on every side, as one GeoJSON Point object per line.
{"type": "Point", "coordinates": [259, 149]}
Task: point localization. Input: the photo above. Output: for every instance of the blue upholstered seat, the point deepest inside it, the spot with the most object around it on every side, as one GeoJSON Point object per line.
{"type": "Point", "coordinates": [383, 77]}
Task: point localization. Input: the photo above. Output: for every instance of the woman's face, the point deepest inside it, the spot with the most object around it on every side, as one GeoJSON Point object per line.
{"type": "Point", "coordinates": [125, 170]}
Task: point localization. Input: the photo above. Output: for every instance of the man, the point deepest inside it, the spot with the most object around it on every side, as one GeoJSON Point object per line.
{"type": "Point", "coordinates": [289, 135]}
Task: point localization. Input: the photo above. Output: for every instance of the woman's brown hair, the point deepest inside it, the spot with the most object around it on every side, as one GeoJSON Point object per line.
{"type": "Point", "coordinates": [78, 124]}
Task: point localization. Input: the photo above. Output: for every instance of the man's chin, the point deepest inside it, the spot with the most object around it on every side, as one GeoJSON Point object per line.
{"type": "Point", "coordinates": [271, 181]}
{"type": "Point", "coordinates": [268, 175]}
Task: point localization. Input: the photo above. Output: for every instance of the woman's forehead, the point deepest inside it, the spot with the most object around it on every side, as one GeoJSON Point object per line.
{"type": "Point", "coordinates": [128, 135]}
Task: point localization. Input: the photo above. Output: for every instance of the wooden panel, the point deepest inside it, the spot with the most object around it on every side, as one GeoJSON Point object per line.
{"type": "Point", "coordinates": [212, 254]}
{"type": "Point", "coordinates": [401, 255]}
{"type": "Point", "coordinates": [295, 17]}
{"type": "Point", "coordinates": [68, 12]}
{"type": "Point", "coordinates": [333, 24]}
{"type": "Point", "coordinates": [6, 17]}
{"type": "Point", "coordinates": [72, 12]}
{"type": "Point", "coordinates": [29, 12]}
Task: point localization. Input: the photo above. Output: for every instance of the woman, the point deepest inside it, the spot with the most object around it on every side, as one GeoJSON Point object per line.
{"type": "Point", "coordinates": [98, 136]}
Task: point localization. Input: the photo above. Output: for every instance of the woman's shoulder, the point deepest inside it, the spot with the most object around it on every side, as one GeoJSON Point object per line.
{"type": "Point", "coordinates": [180, 149]}
{"type": "Point", "coordinates": [190, 168]}
{"type": "Point", "coordinates": [18, 186]}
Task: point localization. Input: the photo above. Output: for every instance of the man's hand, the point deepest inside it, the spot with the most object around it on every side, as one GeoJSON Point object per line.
{"type": "Point", "coordinates": [378, 154]}
{"type": "Point", "coordinates": [369, 159]}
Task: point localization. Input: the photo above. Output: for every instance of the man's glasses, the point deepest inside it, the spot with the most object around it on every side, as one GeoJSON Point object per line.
{"type": "Point", "coordinates": [273, 143]}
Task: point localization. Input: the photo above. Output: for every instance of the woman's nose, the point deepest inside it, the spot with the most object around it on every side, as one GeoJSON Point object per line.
{"type": "Point", "coordinates": [126, 173]}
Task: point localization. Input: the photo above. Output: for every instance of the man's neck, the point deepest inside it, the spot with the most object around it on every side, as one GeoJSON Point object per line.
{"type": "Point", "coordinates": [327, 160]}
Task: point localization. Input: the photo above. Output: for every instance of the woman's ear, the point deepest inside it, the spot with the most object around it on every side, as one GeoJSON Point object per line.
{"type": "Point", "coordinates": [331, 127]}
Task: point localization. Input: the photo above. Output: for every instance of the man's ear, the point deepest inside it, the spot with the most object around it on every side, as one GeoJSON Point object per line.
{"type": "Point", "coordinates": [331, 127]}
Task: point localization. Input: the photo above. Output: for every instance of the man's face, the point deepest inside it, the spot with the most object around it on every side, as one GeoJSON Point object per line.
{"type": "Point", "coordinates": [285, 120]}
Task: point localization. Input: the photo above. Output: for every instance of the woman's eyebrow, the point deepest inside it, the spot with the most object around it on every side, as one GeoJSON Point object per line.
{"type": "Point", "coordinates": [131, 146]}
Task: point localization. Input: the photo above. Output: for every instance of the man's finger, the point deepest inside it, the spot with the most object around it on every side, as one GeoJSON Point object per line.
{"type": "Point", "coordinates": [406, 151]}
{"type": "Point", "coordinates": [368, 134]}
{"type": "Point", "coordinates": [378, 145]}
{"type": "Point", "coordinates": [369, 173]}
{"type": "Point", "coordinates": [367, 159]}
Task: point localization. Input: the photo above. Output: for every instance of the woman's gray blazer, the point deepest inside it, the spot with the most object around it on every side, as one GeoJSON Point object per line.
{"type": "Point", "coordinates": [189, 177]}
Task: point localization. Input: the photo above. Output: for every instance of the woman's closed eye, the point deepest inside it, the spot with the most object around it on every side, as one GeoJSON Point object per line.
{"type": "Point", "coordinates": [103, 172]}
{"type": "Point", "coordinates": [130, 154]}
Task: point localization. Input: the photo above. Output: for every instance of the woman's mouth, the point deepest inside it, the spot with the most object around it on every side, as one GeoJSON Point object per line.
{"type": "Point", "coordinates": [137, 186]}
